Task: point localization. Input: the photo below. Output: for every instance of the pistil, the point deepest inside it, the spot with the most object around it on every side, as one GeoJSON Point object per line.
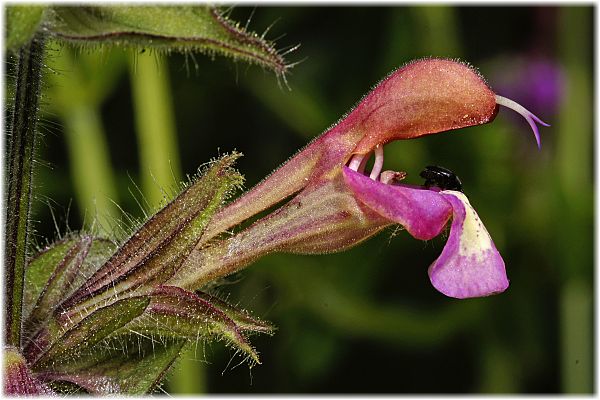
{"type": "Point", "coordinates": [528, 115]}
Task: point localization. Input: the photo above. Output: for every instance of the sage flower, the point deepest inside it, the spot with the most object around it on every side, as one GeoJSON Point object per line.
{"type": "Point", "coordinates": [334, 204]}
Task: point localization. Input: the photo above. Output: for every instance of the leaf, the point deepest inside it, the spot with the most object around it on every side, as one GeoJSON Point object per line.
{"type": "Point", "coordinates": [164, 28]}
{"type": "Point", "coordinates": [57, 271]}
{"type": "Point", "coordinates": [22, 23]}
{"type": "Point", "coordinates": [155, 252]}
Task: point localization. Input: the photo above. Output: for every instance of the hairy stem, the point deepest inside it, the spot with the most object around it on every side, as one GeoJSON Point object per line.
{"type": "Point", "coordinates": [21, 145]}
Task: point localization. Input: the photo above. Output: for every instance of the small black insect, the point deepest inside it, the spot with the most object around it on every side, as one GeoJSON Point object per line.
{"type": "Point", "coordinates": [440, 177]}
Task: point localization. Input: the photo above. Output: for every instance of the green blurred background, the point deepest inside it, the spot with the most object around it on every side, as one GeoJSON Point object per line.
{"type": "Point", "coordinates": [367, 320]}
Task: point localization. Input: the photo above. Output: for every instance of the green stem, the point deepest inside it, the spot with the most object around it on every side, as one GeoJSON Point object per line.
{"type": "Point", "coordinates": [437, 30]}
{"type": "Point", "coordinates": [574, 169]}
{"type": "Point", "coordinates": [21, 145]}
{"type": "Point", "coordinates": [90, 165]}
{"type": "Point", "coordinates": [190, 376]}
{"type": "Point", "coordinates": [576, 310]}
{"type": "Point", "coordinates": [499, 371]}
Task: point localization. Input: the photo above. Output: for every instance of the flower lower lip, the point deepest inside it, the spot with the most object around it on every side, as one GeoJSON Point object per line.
{"type": "Point", "coordinates": [470, 265]}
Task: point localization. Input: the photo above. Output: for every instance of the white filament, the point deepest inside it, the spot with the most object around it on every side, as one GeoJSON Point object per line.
{"type": "Point", "coordinates": [378, 164]}
{"type": "Point", "coordinates": [363, 164]}
{"type": "Point", "coordinates": [355, 161]}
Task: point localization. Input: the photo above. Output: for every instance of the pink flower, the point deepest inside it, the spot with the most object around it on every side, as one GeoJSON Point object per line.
{"type": "Point", "coordinates": [333, 204]}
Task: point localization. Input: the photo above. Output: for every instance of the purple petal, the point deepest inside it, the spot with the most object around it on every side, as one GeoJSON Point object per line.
{"type": "Point", "coordinates": [470, 265]}
{"type": "Point", "coordinates": [422, 212]}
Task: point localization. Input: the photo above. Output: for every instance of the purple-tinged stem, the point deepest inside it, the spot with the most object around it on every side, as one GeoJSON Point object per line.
{"type": "Point", "coordinates": [21, 147]}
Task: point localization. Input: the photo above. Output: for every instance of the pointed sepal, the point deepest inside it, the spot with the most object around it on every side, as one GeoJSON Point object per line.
{"type": "Point", "coordinates": [156, 250]}
{"type": "Point", "coordinates": [177, 313]}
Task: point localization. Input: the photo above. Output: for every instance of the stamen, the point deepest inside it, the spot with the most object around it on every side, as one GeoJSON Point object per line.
{"type": "Point", "coordinates": [363, 163]}
{"type": "Point", "coordinates": [355, 161]}
{"type": "Point", "coordinates": [528, 115]}
{"type": "Point", "coordinates": [378, 164]}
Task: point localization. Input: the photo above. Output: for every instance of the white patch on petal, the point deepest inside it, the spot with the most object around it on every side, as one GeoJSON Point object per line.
{"type": "Point", "coordinates": [475, 239]}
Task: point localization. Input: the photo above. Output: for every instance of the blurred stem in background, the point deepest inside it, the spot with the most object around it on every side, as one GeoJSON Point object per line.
{"type": "Point", "coordinates": [437, 30]}
{"type": "Point", "coordinates": [499, 368]}
{"type": "Point", "coordinates": [160, 173]}
{"type": "Point", "coordinates": [77, 91]}
{"type": "Point", "coordinates": [160, 170]}
{"type": "Point", "coordinates": [301, 108]}
{"type": "Point", "coordinates": [90, 165]}
{"type": "Point", "coordinates": [574, 166]}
